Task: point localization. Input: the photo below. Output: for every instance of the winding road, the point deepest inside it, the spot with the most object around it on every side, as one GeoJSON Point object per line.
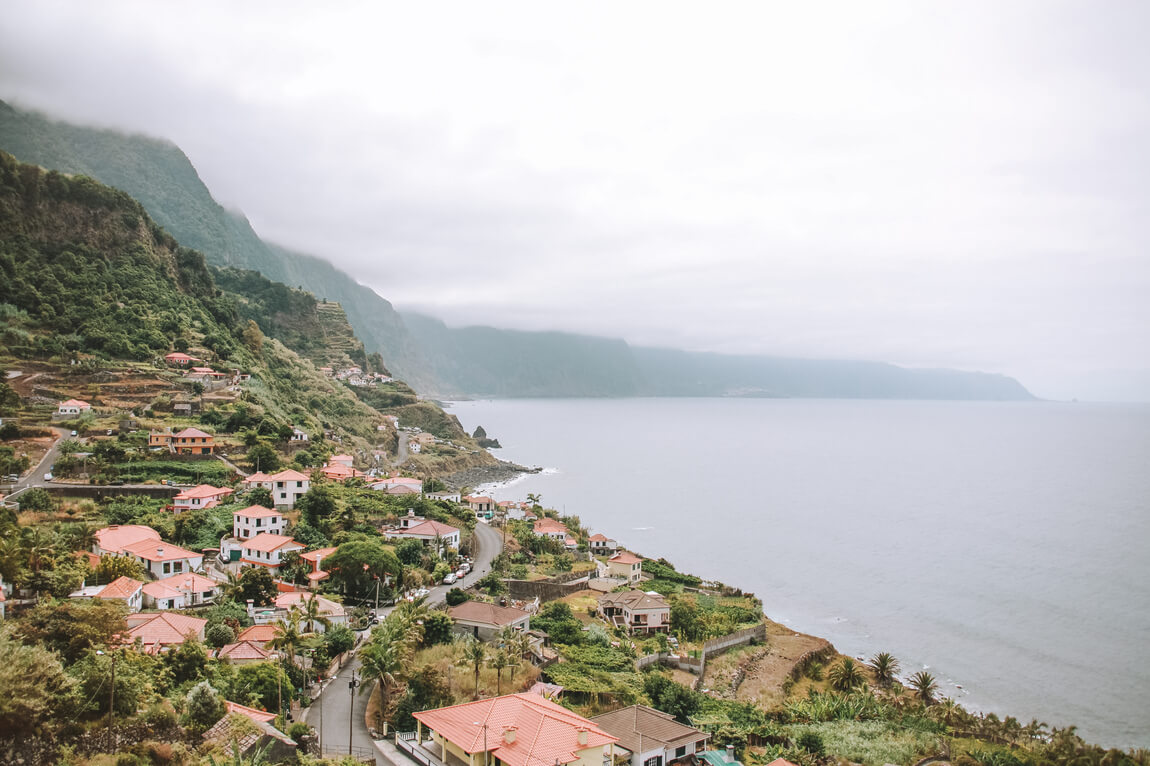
{"type": "Point", "coordinates": [337, 708]}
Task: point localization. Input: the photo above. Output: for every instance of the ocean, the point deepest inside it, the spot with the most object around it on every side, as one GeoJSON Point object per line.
{"type": "Point", "coordinates": [1004, 547]}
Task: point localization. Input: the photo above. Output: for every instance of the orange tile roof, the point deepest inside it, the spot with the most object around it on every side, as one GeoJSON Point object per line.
{"type": "Point", "coordinates": [243, 650]}
{"type": "Point", "coordinates": [192, 433]}
{"type": "Point", "coordinates": [153, 550]}
{"type": "Point", "coordinates": [92, 558]}
{"type": "Point", "coordinates": [122, 587]}
{"type": "Point", "coordinates": [545, 733]}
{"type": "Point", "coordinates": [600, 538]}
{"type": "Point", "coordinates": [259, 716]}
{"type": "Point", "coordinates": [190, 582]}
{"type": "Point", "coordinates": [258, 633]}
{"type": "Point", "coordinates": [256, 477]}
{"type": "Point", "coordinates": [430, 528]}
{"type": "Point", "coordinates": [162, 629]}
{"type": "Point", "coordinates": [75, 403]}
{"type": "Point", "coordinates": [256, 512]}
{"type": "Point", "coordinates": [550, 525]}
{"type": "Point", "coordinates": [316, 555]}
{"type": "Point", "coordinates": [289, 475]}
{"type": "Point", "coordinates": [297, 598]}
{"type": "Point", "coordinates": [204, 490]}
{"type": "Point", "coordinates": [625, 557]}
{"type": "Point", "coordinates": [117, 536]}
{"type": "Point", "coordinates": [160, 589]}
{"type": "Point", "coordinates": [266, 542]}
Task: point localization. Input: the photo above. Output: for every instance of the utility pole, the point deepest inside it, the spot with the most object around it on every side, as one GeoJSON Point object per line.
{"type": "Point", "coordinates": [354, 682]}
{"type": "Point", "coordinates": [111, 700]}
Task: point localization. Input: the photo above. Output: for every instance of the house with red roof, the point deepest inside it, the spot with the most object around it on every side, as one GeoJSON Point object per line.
{"type": "Point", "coordinates": [412, 527]}
{"type": "Point", "coordinates": [179, 359]}
{"type": "Point", "coordinates": [202, 496]}
{"type": "Point", "coordinates": [315, 560]}
{"type": "Point", "coordinates": [259, 634]}
{"type": "Point", "coordinates": [514, 730]}
{"type": "Point", "coordinates": [144, 545]}
{"type": "Point", "coordinates": [652, 736]}
{"type": "Point", "coordinates": [268, 550]}
{"type": "Point", "coordinates": [548, 527]}
{"type": "Point", "coordinates": [72, 408]}
{"type": "Point", "coordinates": [162, 595]}
{"type": "Point", "coordinates": [340, 472]}
{"type": "Point", "coordinates": [333, 611]}
{"type": "Point", "coordinates": [112, 540]}
{"type": "Point", "coordinates": [625, 565]}
{"type": "Point", "coordinates": [482, 505]}
{"type": "Point", "coordinates": [601, 544]}
{"type": "Point", "coordinates": [244, 653]}
{"type": "Point", "coordinates": [159, 631]}
{"type": "Point", "coordinates": [286, 486]}
{"type": "Point", "coordinates": [402, 485]}
{"type": "Point", "coordinates": [196, 588]}
{"type": "Point", "coordinates": [190, 441]}
{"type": "Point", "coordinates": [125, 589]}
{"type": "Point", "coordinates": [251, 521]}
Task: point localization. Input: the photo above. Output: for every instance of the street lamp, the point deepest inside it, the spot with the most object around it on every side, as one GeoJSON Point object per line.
{"type": "Point", "coordinates": [484, 725]}
{"type": "Point", "coordinates": [354, 682]}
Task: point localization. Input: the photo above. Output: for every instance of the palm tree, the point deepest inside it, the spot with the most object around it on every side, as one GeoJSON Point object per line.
{"type": "Point", "coordinates": [517, 644]}
{"type": "Point", "coordinates": [499, 661]}
{"type": "Point", "coordinates": [924, 686]}
{"type": "Point", "coordinates": [288, 636]}
{"type": "Point", "coordinates": [383, 660]}
{"type": "Point", "coordinates": [846, 675]}
{"type": "Point", "coordinates": [309, 612]}
{"type": "Point", "coordinates": [38, 548]}
{"type": "Point", "coordinates": [232, 587]}
{"type": "Point", "coordinates": [474, 654]}
{"type": "Point", "coordinates": [885, 667]}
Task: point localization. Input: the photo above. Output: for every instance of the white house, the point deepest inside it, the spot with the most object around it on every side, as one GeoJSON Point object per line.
{"type": "Point", "coordinates": [626, 565]}
{"type": "Point", "coordinates": [414, 527]}
{"type": "Point", "coordinates": [255, 519]}
{"type": "Point", "coordinates": [268, 550]}
{"type": "Point", "coordinates": [334, 612]}
{"type": "Point", "coordinates": [486, 621]}
{"type": "Point", "coordinates": [144, 545]}
{"type": "Point", "coordinates": [636, 611]}
{"type": "Point", "coordinates": [73, 407]}
{"type": "Point", "coordinates": [653, 738]}
{"type": "Point", "coordinates": [203, 496]}
{"type": "Point", "coordinates": [126, 589]}
{"type": "Point", "coordinates": [286, 486]}
{"type": "Point", "coordinates": [413, 486]}
{"type": "Point", "coordinates": [160, 595]}
{"type": "Point", "coordinates": [602, 545]}
{"type": "Point", "coordinates": [446, 495]}
{"type": "Point", "coordinates": [298, 435]}
{"type": "Point", "coordinates": [195, 588]}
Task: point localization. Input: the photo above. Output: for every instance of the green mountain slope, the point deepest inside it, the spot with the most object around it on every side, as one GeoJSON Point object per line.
{"type": "Point", "coordinates": [162, 178]}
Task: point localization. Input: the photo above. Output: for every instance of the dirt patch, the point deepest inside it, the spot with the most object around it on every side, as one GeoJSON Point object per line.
{"type": "Point", "coordinates": [765, 674]}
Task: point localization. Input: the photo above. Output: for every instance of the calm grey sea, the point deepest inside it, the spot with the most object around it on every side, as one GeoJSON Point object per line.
{"type": "Point", "coordinates": [1003, 546]}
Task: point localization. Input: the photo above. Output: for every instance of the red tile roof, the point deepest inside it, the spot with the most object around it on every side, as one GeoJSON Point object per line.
{"type": "Point", "coordinates": [256, 512]}
{"type": "Point", "coordinates": [75, 403]}
{"type": "Point", "coordinates": [260, 716]}
{"type": "Point", "coordinates": [266, 542]}
{"type": "Point", "coordinates": [258, 476]}
{"type": "Point", "coordinates": [552, 526]}
{"type": "Point", "coordinates": [152, 550]}
{"type": "Point", "coordinates": [122, 587]}
{"type": "Point", "coordinates": [599, 538]}
{"type": "Point", "coordinates": [190, 582]}
{"type": "Point", "coordinates": [160, 589]}
{"type": "Point", "coordinates": [243, 650]}
{"type": "Point", "coordinates": [316, 555]}
{"type": "Point", "coordinates": [430, 528]}
{"type": "Point", "coordinates": [193, 433]}
{"type": "Point", "coordinates": [163, 629]}
{"type": "Point", "coordinates": [327, 607]}
{"type": "Point", "coordinates": [545, 733]}
{"type": "Point", "coordinates": [258, 633]}
{"type": "Point", "coordinates": [204, 490]}
{"type": "Point", "coordinates": [625, 557]}
{"type": "Point", "coordinates": [289, 475]}
{"type": "Point", "coordinates": [117, 536]}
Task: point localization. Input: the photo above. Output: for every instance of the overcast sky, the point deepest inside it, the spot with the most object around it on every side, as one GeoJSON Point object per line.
{"type": "Point", "coordinates": [932, 184]}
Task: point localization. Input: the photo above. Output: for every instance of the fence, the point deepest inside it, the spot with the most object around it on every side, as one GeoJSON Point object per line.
{"type": "Point", "coordinates": [711, 648]}
{"type": "Point", "coordinates": [745, 636]}
{"type": "Point", "coordinates": [405, 742]}
{"type": "Point", "coordinates": [360, 754]}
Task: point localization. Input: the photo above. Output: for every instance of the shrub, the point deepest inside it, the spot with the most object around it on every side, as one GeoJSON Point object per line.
{"type": "Point", "coordinates": [298, 731]}
{"type": "Point", "coordinates": [218, 635]}
{"type": "Point", "coordinates": [456, 596]}
{"type": "Point", "coordinates": [811, 742]}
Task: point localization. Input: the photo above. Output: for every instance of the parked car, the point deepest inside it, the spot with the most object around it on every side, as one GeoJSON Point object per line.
{"type": "Point", "coordinates": [450, 579]}
{"type": "Point", "coordinates": [73, 433]}
{"type": "Point", "coordinates": [47, 477]}
{"type": "Point", "coordinates": [460, 574]}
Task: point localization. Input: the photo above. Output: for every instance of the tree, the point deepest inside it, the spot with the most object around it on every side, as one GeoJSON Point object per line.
{"type": "Point", "coordinates": [71, 628]}
{"type": "Point", "coordinates": [338, 639]}
{"type": "Point", "coordinates": [288, 636]}
{"type": "Point", "coordinates": [219, 635]}
{"type": "Point", "coordinates": [261, 496]}
{"type": "Point", "coordinates": [427, 688]}
{"type": "Point", "coordinates": [187, 661]}
{"type": "Point", "coordinates": [437, 629]}
{"type": "Point", "coordinates": [924, 686]}
{"type": "Point", "coordinates": [456, 596]}
{"type": "Point", "coordinates": [534, 498]}
{"type": "Point", "coordinates": [205, 707]}
{"type": "Point", "coordinates": [685, 617]}
{"type": "Point", "coordinates": [410, 552]}
{"type": "Point", "coordinates": [264, 459]}
{"type": "Point", "coordinates": [557, 620]}
{"type": "Point", "coordinates": [33, 681]}
{"type": "Point", "coordinates": [261, 684]}
{"type": "Point", "coordinates": [316, 504]}
{"type": "Point", "coordinates": [258, 586]}
{"type": "Point", "coordinates": [356, 566]}
{"type": "Point", "coordinates": [885, 667]}
{"type": "Point", "coordinates": [111, 567]}
{"type": "Point", "coordinates": [846, 675]}
{"type": "Point", "coordinates": [382, 660]}
{"type": "Point", "coordinates": [311, 615]}
{"type": "Point", "coordinates": [670, 697]}
{"type": "Point", "coordinates": [499, 662]}
{"type": "Point", "coordinates": [811, 742]}
{"type": "Point", "coordinates": [252, 337]}
{"type": "Point", "coordinates": [474, 654]}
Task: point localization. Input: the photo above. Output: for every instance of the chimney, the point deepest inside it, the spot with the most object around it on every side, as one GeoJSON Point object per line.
{"type": "Point", "coordinates": [251, 607]}
{"type": "Point", "coordinates": [509, 734]}
{"type": "Point", "coordinates": [730, 753]}
{"type": "Point", "coordinates": [582, 735]}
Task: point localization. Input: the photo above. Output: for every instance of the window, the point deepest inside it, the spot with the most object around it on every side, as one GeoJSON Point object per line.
{"type": "Point", "coordinates": [179, 566]}
{"type": "Point", "coordinates": [167, 568]}
{"type": "Point", "coordinates": [283, 495]}
{"type": "Point", "coordinates": [680, 751]}
{"type": "Point", "coordinates": [656, 761]}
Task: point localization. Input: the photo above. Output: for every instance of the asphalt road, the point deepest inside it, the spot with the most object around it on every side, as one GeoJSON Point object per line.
{"type": "Point", "coordinates": [335, 708]}
{"type": "Point", "coordinates": [35, 477]}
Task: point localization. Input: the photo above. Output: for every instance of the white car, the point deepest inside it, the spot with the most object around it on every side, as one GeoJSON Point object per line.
{"type": "Point", "coordinates": [450, 579]}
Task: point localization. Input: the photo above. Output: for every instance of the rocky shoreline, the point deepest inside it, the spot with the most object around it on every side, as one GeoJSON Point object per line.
{"type": "Point", "coordinates": [486, 474]}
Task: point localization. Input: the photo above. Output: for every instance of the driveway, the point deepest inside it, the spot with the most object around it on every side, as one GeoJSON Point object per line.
{"type": "Point", "coordinates": [336, 707]}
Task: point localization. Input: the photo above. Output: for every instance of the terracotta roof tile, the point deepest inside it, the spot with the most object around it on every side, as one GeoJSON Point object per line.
{"type": "Point", "coordinates": [122, 587]}
{"type": "Point", "coordinates": [491, 614]}
{"type": "Point", "coordinates": [256, 512]}
{"type": "Point", "coordinates": [115, 537]}
{"type": "Point", "coordinates": [266, 542]}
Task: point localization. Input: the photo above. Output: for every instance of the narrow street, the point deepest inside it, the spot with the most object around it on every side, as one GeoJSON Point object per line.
{"type": "Point", "coordinates": [337, 708]}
